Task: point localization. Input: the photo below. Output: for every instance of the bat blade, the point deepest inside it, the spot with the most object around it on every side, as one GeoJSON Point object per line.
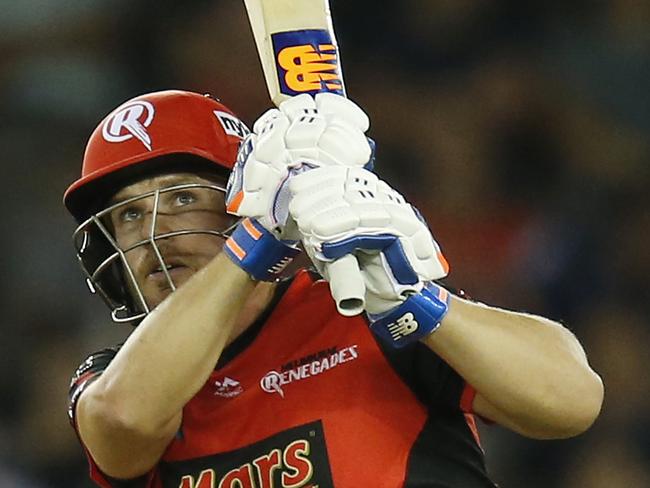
{"type": "Point", "coordinates": [297, 47]}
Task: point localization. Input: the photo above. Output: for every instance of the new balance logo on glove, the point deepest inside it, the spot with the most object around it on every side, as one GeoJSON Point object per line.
{"type": "Point", "coordinates": [403, 326]}
{"type": "Point", "coordinates": [418, 316]}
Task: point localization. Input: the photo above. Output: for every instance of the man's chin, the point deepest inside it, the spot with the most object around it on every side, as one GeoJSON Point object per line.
{"type": "Point", "coordinates": [156, 293]}
{"type": "Point", "coordinates": [154, 301]}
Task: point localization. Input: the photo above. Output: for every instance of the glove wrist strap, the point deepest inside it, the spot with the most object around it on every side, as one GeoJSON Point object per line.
{"type": "Point", "coordinates": [258, 252]}
{"type": "Point", "coordinates": [417, 317]}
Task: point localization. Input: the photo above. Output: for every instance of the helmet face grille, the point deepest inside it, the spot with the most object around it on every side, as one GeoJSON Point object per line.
{"type": "Point", "coordinates": [146, 229]}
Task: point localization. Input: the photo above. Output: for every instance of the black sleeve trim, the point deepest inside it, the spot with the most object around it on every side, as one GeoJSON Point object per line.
{"type": "Point", "coordinates": [86, 373]}
{"type": "Point", "coordinates": [434, 382]}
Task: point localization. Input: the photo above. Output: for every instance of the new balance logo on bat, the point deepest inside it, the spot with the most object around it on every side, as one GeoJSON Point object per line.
{"type": "Point", "coordinates": [403, 326]}
{"type": "Point", "coordinates": [307, 62]}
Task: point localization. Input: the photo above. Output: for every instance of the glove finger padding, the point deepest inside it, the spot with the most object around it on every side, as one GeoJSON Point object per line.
{"type": "Point", "coordinates": [343, 211]}
{"type": "Point", "coordinates": [307, 127]}
{"type": "Point", "coordinates": [294, 107]}
{"type": "Point", "coordinates": [270, 147]}
{"type": "Point", "coordinates": [289, 141]}
{"type": "Point", "coordinates": [330, 105]}
{"type": "Point", "coordinates": [341, 141]}
{"type": "Point", "coordinates": [264, 119]}
{"type": "Point", "coordinates": [383, 291]}
{"type": "Point", "coordinates": [257, 188]}
{"type": "Point", "coordinates": [313, 192]}
{"type": "Point", "coordinates": [344, 137]}
{"type": "Point", "coordinates": [254, 185]}
{"type": "Point", "coordinates": [336, 106]}
{"type": "Point", "coordinates": [329, 129]}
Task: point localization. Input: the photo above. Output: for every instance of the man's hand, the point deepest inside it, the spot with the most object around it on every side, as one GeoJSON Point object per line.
{"type": "Point", "coordinates": [303, 134]}
{"type": "Point", "coordinates": [342, 211]}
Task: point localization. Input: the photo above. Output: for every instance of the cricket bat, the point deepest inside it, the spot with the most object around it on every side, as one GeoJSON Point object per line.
{"type": "Point", "coordinates": [299, 54]}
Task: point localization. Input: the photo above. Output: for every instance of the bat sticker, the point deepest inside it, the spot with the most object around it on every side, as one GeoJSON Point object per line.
{"type": "Point", "coordinates": [307, 62]}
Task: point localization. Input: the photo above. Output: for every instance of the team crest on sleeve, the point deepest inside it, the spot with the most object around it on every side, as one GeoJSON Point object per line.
{"type": "Point", "coordinates": [130, 121]}
{"type": "Point", "coordinates": [307, 62]}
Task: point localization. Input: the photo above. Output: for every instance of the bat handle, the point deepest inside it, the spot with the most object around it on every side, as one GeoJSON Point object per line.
{"type": "Point", "coordinates": [347, 285]}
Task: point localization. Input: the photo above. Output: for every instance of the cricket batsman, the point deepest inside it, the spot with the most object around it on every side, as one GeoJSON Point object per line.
{"type": "Point", "coordinates": [239, 375]}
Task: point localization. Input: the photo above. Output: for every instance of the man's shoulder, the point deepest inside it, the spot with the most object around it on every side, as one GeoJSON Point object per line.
{"type": "Point", "coordinates": [96, 361]}
{"type": "Point", "coordinates": [89, 370]}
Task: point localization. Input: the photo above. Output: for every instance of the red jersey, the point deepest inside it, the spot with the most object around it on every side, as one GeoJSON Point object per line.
{"type": "Point", "coordinates": [308, 398]}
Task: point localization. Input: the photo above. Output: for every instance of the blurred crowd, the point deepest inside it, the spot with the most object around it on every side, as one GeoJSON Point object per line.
{"type": "Point", "coordinates": [520, 129]}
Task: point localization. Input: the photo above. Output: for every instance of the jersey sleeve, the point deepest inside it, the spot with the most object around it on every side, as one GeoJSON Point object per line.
{"type": "Point", "coordinates": [86, 373]}
{"type": "Point", "coordinates": [91, 369]}
{"type": "Point", "coordinates": [434, 382]}
{"type": "Point", "coordinates": [438, 383]}
{"type": "Point", "coordinates": [446, 388]}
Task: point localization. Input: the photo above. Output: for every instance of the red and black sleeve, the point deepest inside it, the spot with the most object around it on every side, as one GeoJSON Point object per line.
{"type": "Point", "coordinates": [86, 373]}
{"type": "Point", "coordinates": [91, 369]}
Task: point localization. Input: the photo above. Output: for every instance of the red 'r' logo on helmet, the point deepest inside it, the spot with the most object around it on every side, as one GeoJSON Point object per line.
{"type": "Point", "coordinates": [130, 120]}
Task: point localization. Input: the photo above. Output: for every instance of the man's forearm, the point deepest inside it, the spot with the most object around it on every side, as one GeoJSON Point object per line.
{"type": "Point", "coordinates": [172, 352]}
{"type": "Point", "coordinates": [532, 370]}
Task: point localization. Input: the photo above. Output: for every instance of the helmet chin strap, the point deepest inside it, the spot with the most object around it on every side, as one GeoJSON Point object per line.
{"type": "Point", "coordinates": [121, 315]}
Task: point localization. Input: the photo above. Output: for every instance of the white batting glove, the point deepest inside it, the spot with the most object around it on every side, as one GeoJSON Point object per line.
{"type": "Point", "coordinates": [342, 211]}
{"type": "Point", "coordinates": [327, 130]}
{"type": "Point", "coordinates": [257, 184]}
{"type": "Point", "coordinates": [304, 133]}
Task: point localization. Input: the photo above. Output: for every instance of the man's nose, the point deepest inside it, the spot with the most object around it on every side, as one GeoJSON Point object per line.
{"type": "Point", "coordinates": [164, 223]}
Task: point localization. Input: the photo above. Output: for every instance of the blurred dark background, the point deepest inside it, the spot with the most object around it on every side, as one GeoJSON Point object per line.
{"type": "Point", "coordinates": [519, 128]}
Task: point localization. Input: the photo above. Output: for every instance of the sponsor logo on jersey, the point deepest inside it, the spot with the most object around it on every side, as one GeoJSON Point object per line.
{"type": "Point", "coordinates": [307, 367]}
{"type": "Point", "coordinates": [293, 458]}
{"type": "Point", "coordinates": [403, 326]}
{"type": "Point", "coordinates": [228, 388]}
{"type": "Point", "coordinates": [307, 62]}
{"type": "Point", "coordinates": [130, 121]}
{"type": "Point", "coordinates": [231, 124]}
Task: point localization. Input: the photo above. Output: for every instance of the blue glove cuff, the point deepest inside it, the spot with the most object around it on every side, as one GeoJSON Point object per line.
{"type": "Point", "coordinates": [257, 251]}
{"type": "Point", "coordinates": [417, 317]}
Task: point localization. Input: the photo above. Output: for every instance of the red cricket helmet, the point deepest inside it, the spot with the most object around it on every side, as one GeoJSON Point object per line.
{"type": "Point", "coordinates": [136, 135]}
{"type": "Point", "coordinates": [155, 133]}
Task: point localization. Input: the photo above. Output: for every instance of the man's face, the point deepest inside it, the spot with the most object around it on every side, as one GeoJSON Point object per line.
{"type": "Point", "coordinates": [174, 211]}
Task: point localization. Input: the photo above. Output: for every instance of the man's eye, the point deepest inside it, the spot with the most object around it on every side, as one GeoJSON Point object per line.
{"type": "Point", "coordinates": [130, 215]}
{"type": "Point", "coordinates": [184, 198]}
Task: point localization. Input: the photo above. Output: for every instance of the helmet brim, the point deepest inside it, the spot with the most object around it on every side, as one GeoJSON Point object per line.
{"type": "Point", "coordinates": [90, 193]}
